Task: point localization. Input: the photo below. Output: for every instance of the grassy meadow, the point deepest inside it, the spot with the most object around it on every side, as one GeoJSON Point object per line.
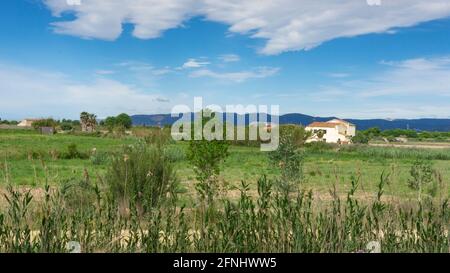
{"type": "Point", "coordinates": [32, 160]}
{"type": "Point", "coordinates": [348, 196]}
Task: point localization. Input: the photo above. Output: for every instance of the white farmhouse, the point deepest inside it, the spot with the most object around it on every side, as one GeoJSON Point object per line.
{"type": "Point", "coordinates": [27, 122]}
{"type": "Point", "coordinates": [333, 131]}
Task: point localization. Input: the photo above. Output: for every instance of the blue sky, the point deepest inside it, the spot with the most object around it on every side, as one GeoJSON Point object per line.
{"type": "Point", "coordinates": [339, 58]}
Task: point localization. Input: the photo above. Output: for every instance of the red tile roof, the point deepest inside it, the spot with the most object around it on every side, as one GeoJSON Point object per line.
{"type": "Point", "coordinates": [322, 125]}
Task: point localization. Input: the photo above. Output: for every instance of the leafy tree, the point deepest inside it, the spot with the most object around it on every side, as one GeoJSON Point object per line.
{"type": "Point", "coordinates": [110, 122]}
{"type": "Point", "coordinates": [289, 159]}
{"type": "Point", "coordinates": [8, 122]}
{"type": "Point", "coordinates": [207, 156]}
{"type": "Point", "coordinates": [373, 132]}
{"type": "Point", "coordinates": [124, 120]}
{"type": "Point", "coordinates": [121, 121]}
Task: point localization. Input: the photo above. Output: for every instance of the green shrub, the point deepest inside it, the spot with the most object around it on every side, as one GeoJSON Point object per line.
{"type": "Point", "coordinates": [66, 126]}
{"type": "Point", "coordinates": [319, 146]}
{"type": "Point", "coordinates": [45, 123]}
{"type": "Point", "coordinates": [99, 158]}
{"type": "Point", "coordinates": [360, 138]}
{"type": "Point", "coordinates": [175, 153]}
{"type": "Point", "coordinates": [73, 153]}
{"type": "Point", "coordinates": [207, 157]}
{"type": "Point", "coordinates": [142, 175]}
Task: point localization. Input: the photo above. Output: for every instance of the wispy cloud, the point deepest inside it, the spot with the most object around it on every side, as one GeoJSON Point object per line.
{"type": "Point", "coordinates": [229, 58]}
{"type": "Point", "coordinates": [104, 72]}
{"type": "Point", "coordinates": [193, 63]}
{"type": "Point", "coordinates": [144, 70]}
{"type": "Point", "coordinates": [237, 77]}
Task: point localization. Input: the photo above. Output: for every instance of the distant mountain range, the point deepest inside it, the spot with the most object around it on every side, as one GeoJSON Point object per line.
{"type": "Point", "coordinates": [427, 124]}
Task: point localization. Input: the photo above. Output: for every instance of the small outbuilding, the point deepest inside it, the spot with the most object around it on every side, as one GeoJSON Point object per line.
{"type": "Point", "coordinates": [47, 130]}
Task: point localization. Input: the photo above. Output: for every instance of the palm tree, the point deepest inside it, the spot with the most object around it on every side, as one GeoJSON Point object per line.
{"type": "Point", "coordinates": [88, 122]}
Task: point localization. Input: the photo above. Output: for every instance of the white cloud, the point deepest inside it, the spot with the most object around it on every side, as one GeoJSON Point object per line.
{"type": "Point", "coordinates": [104, 19]}
{"type": "Point", "coordinates": [34, 93]}
{"type": "Point", "coordinates": [193, 63]}
{"type": "Point", "coordinates": [143, 70]}
{"type": "Point", "coordinates": [136, 66]}
{"type": "Point", "coordinates": [104, 72]}
{"type": "Point", "coordinates": [229, 58]}
{"type": "Point", "coordinates": [241, 76]}
{"type": "Point", "coordinates": [286, 24]}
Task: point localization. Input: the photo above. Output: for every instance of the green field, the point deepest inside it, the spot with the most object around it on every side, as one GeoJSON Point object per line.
{"type": "Point", "coordinates": [103, 192]}
{"type": "Point", "coordinates": [33, 160]}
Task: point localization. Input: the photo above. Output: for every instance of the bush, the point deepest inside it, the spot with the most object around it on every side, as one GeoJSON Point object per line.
{"type": "Point", "coordinates": [66, 126]}
{"type": "Point", "coordinates": [79, 194]}
{"type": "Point", "coordinates": [391, 139]}
{"type": "Point", "coordinates": [142, 175]}
{"type": "Point", "coordinates": [319, 146]}
{"type": "Point", "coordinates": [360, 138]}
{"type": "Point", "coordinates": [175, 153]}
{"type": "Point", "coordinates": [45, 123]}
{"type": "Point", "coordinates": [99, 158]}
{"type": "Point", "coordinates": [73, 153]}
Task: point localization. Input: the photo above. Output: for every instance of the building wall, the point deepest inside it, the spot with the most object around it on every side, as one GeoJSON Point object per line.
{"type": "Point", "coordinates": [25, 123]}
{"type": "Point", "coordinates": [332, 135]}
{"type": "Point", "coordinates": [352, 130]}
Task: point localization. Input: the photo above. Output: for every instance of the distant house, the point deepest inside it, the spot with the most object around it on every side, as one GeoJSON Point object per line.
{"type": "Point", "coordinates": [27, 122]}
{"type": "Point", "coordinates": [333, 131]}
